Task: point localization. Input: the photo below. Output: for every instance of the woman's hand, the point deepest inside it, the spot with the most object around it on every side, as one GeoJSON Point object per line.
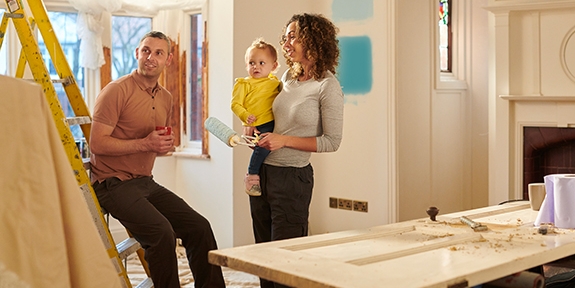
{"type": "Point", "coordinates": [250, 130]}
{"type": "Point", "coordinates": [272, 141]}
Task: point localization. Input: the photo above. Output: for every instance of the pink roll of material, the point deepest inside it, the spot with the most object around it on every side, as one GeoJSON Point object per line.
{"type": "Point", "coordinates": [522, 279]}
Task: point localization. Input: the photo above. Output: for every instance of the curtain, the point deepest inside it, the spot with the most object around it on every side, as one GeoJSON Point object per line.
{"type": "Point", "coordinates": [93, 16]}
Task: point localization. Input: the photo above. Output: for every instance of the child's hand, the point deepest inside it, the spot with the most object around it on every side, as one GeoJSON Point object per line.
{"type": "Point", "coordinates": [251, 119]}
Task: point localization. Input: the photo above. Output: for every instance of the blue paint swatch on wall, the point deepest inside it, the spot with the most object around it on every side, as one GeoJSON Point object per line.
{"type": "Point", "coordinates": [355, 64]}
{"type": "Point", "coordinates": [345, 10]}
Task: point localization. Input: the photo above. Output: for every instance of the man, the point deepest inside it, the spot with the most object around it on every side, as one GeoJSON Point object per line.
{"type": "Point", "coordinates": [124, 145]}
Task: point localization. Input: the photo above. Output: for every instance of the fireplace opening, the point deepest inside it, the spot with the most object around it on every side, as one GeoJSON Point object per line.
{"type": "Point", "coordinates": [546, 150]}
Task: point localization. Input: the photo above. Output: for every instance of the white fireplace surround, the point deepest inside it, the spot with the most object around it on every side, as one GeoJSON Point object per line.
{"type": "Point", "coordinates": [532, 82]}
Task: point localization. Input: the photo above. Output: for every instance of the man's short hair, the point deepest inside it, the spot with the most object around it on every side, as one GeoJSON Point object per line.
{"type": "Point", "coordinates": [159, 35]}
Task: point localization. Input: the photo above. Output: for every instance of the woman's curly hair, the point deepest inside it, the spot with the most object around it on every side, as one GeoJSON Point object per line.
{"type": "Point", "coordinates": [317, 35]}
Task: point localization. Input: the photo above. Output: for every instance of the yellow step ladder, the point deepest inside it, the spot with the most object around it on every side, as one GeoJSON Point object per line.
{"type": "Point", "coordinates": [32, 55]}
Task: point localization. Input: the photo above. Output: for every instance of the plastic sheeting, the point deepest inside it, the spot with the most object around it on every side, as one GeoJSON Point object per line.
{"type": "Point", "coordinates": [90, 21]}
{"type": "Point", "coordinates": [47, 234]}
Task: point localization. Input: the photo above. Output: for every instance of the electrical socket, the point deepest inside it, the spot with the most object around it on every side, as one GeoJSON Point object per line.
{"type": "Point", "coordinates": [332, 202]}
{"type": "Point", "coordinates": [360, 206]}
{"type": "Point", "coordinates": [344, 204]}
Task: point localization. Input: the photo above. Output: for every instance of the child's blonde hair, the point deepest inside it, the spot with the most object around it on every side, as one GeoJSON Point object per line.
{"type": "Point", "coordinates": [260, 43]}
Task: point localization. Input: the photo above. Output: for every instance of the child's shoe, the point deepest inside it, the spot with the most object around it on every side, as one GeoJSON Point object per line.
{"type": "Point", "coordinates": [252, 182]}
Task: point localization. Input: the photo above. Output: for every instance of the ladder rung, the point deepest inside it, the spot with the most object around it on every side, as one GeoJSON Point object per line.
{"type": "Point", "coordinates": [65, 81]}
{"type": "Point", "coordinates": [79, 120]}
{"type": "Point", "coordinates": [59, 80]}
{"type": "Point", "coordinates": [127, 247]}
{"type": "Point", "coordinates": [14, 15]}
{"type": "Point", "coordinates": [146, 283]}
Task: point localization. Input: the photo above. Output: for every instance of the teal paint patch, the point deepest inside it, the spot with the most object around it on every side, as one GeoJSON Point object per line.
{"type": "Point", "coordinates": [355, 64]}
{"type": "Point", "coordinates": [345, 10]}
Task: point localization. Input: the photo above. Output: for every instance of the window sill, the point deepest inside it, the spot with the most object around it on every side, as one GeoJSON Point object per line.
{"type": "Point", "coordinates": [190, 154]}
{"type": "Point", "coordinates": [448, 81]}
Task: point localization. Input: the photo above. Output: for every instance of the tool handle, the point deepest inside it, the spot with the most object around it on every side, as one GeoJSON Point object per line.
{"type": "Point", "coordinates": [469, 222]}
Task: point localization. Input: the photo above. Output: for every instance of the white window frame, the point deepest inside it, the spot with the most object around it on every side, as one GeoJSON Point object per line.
{"type": "Point", "coordinates": [189, 148]}
{"type": "Point", "coordinates": [92, 83]}
{"type": "Point", "coordinates": [456, 79]}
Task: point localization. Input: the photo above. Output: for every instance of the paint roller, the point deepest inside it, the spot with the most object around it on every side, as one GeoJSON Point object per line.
{"type": "Point", "coordinates": [227, 134]}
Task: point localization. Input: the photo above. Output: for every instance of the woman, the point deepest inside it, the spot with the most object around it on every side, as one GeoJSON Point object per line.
{"type": "Point", "coordinates": [308, 116]}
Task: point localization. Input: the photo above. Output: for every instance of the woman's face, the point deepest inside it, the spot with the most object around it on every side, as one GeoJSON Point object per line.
{"type": "Point", "coordinates": [292, 46]}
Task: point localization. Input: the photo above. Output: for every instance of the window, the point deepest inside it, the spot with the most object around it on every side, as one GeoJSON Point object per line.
{"type": "Point", "coordinates": [445, 37]}
{"type": "Point", "coordinates": [197, 83]}
{"type": "Point", "coordinates": [196, 77]}
{"type": "Point", "coordinates": [64, 25]}
{"type": "Point", "coordinates": [126, 34]}
{"type": "Point", "coordinates": [450, 44]}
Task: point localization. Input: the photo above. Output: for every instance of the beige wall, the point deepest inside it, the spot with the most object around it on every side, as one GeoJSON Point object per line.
{"type": "Point", "coordinates": [268, 23]}
{"type": "Point", "coordinates": [441, 124]}
{"type": "Point", "coordinates": [406, 142]}
{"type": "Point", "coordinates": [413, 141]}
{"type": "Point", "coordinates": [359, 170]}
{"type": "Point", "coordinates": [533, 82]}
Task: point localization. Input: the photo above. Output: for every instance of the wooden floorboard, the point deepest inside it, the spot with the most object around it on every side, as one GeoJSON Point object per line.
{"type": "Point", "coordinates": [233, 278]}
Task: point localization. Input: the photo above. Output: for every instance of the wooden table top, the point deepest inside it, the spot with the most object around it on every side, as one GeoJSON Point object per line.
{"type": "Point", "coordinates": [416, 253]}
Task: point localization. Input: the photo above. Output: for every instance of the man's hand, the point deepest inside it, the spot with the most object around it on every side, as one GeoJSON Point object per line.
{"type": "Point", "coordinates": [102, 143]}
{"type": "Point", "coordinates": [159, 142]}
